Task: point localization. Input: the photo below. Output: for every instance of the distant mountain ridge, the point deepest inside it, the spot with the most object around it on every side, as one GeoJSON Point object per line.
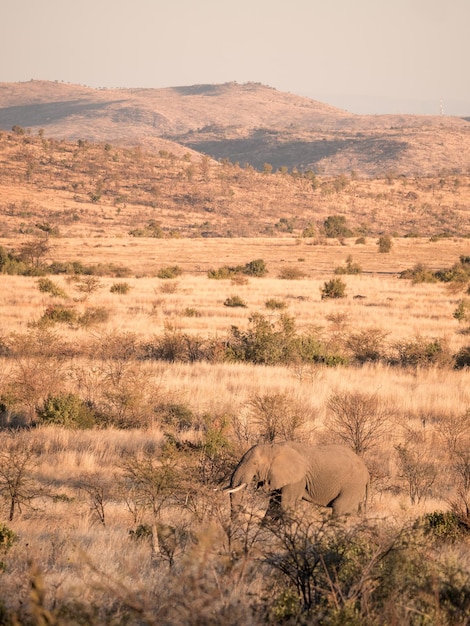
{"type": "Point", "coordinates": [246, 123]}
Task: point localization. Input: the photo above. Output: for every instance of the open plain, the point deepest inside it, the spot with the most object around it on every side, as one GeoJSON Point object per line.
{"type": "Point", "coordinates": [160, 315]}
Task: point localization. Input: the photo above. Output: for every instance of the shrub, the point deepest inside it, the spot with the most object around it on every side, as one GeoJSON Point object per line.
{"type": "Point", "coordinates": [178, 416]}
{"type": "Point", "coordinates": [278, 416]}
{"type": "Point", "coordinates": [336, 226]}
{"type": "Point", "coordinates": [309, 231]}
{"type": "Point", "coordinates": [423, 352]}
{"type": "Point", "coordinates": [87, 285]}
{"type": "Point", "coordinates": [349, 268]}
{"type": "Point", "coordinates": [68, 410]}
{"type": "Point", "coordinates": [93, 316]}
{"type": "Point", "coordinates": [446, 526]}
{"type": "Point", "coordinates": [367, 345]}
{"type": "Point", "coordinates": [7, 537]}
{"type": "Point", "coordinates": [255, 268]}
{"type": "Point", "coordinates": [385, 244]}
{"type": "Point", "coordinates": [46, 285]}
{"type": "Point", "coordinates": [419, 274]}
{"type": "Point", "coordinates": [270, 343]}
{"type": "Point", "coordinates": [462, 358]}
{"type": "Point", "coordinates": [334, 288]}
{"type": "Point", "coordinates": [169, 286]}
{"type": "Point", "coordinates": [235, 301]}
{"type": "Point", "coordinates": [58, 314]}
{"type": "Point", "coordinates": [275, 304]}
{"type": "Point", "coordinates": [121, 288]}
{"type": "Point", "coordinates": [417, 470]}
{"type": "Point", "coordinates": [171, 271]}
{"type": "Point", "coordinates": [462, 312]}
{"type": "Point", "coordinates": [291, 273]}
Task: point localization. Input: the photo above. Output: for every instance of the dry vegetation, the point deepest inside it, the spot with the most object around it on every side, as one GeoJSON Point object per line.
{"type": "Point", "coordinates": [126, 399]}
{"type": "Point", "coordinates": [92, 190]}
{"type": "Point", "coordinates": [247, 123]}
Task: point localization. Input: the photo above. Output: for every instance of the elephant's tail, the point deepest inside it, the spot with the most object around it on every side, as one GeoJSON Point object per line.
{"type": "Point", "coordinates": [366, 496]}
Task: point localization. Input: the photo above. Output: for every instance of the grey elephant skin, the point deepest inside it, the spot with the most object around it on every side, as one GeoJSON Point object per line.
{"type": "Point", "coordinates": [330, 476]}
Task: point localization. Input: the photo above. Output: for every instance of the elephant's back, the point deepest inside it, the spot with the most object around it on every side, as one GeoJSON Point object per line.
{"type": "Point", "coordinates": [335, 459]}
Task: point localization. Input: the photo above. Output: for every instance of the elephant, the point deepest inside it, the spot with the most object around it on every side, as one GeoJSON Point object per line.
{"type": "Point", "coordinates": [327, 475]}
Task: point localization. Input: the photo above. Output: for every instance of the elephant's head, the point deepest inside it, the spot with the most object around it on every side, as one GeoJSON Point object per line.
{"type": "Point", "coordinates": [272, 466]}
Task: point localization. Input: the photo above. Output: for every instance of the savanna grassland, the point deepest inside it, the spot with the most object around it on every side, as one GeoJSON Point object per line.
{"type": "Point", "coordinates": [159, 317]}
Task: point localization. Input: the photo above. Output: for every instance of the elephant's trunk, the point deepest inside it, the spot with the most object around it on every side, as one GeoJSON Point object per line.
{"type": "Point", "coordinates": [242, 476]}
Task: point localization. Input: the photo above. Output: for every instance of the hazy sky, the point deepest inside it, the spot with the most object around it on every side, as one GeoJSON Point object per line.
{"type": "Point", "coordinates": [368, 56]}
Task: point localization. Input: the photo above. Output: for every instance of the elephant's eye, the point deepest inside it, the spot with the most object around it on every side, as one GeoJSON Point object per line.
{"type": "Point", "coordinates": [259, 484]}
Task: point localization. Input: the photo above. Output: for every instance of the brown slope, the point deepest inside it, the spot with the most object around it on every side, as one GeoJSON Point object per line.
{"type": "Point", "coordinates": [248, 123]}
{"type": "Point", "coordinates": [88, 190]}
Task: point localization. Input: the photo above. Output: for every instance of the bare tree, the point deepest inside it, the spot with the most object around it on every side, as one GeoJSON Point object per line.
{"type": "Point", "coordinates": [17, 485]}
{"type": "Point", "coordinates": [34, 251]}
{"type": "Point", "coordinates": [359, 419]}
{"type": "Point", "coordinates": [417, 470]}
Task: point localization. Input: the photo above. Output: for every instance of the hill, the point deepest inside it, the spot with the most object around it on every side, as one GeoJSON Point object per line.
{"type": "Point", "coordinates": [84, 189]}
{"type": "Point", "coordinates": [249, 123]}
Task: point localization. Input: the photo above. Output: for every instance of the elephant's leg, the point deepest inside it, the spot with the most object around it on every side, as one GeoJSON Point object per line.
{"type": "Point", "coordinates": [274, 510]}
{"type": "Point", "coordinates": [345, 502]}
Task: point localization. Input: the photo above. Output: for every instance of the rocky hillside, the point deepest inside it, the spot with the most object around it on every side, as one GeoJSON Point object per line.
{"type": "Point", "coordinates": [248, 123]}
{"type": "Point", "coordinates": [84, 189]}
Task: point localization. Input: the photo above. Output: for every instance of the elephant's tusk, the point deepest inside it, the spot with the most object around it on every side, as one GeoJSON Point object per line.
{"type": "Point", "coordinates": [235, 489]}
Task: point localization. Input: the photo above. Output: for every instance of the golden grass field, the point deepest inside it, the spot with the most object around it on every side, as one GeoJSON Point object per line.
{"type": "Point", "coordinates": [83, 559]}
{"type": "Point", "coordinates": [75, 530]}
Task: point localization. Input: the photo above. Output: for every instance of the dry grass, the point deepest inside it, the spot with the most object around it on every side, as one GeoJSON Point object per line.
{"type": "Point", "coordinates": [99, 564]}
{"type": "Point", "coordinates": [99, 191]}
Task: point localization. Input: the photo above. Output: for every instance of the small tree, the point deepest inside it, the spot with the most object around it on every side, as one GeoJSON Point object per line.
{"type": "Point", "coordinates": [359, 419]}
{"type": "Point", "coordinates": [334, 288]}
{"type": "Point", "coordinates": [87, 285]}
{"type": "Point", "coordinates": [416, 470]}
{"type": "Point", "coordinates": [278, 416]}
{"type": "Point", "coordinates": [34, 251]}
{"type": "Point", "coordinates": [17, 485]}
{"type": "Point", "coordinates": [152, 481]}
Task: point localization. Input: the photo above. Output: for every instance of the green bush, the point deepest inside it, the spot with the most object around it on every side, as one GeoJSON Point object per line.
{"type": "Point", "coordinates": [58, 314]}
{"type": "Point", "coordinates": [336, 226]}
{"type": "Point", "coordinates": [271, 343]}
{"type": "Point", "coordinates": [46, 285]}
{"type": "Point", "coordinates": [423, 352]}
{"type": "Point", "coordinates": [7, 537]}
{"type": "Point", "coordinates": [462, 312]}
{"type": "Point", "coordinates": [68, 410]}
{"type": "Point", "coordinates": [255, 268]}
{"type": "Point", "coordinates": [334, 288]}
{"type": "Point", "coordinates": [443, 525]}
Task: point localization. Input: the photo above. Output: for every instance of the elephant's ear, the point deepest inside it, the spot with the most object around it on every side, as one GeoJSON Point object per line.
{"type": "Point", "coordinates": [288, 466]}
